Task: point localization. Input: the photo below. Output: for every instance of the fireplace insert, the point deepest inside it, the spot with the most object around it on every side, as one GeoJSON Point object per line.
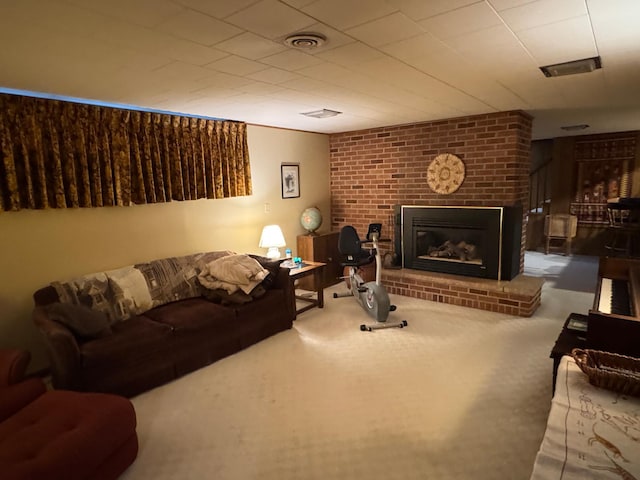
{"type": "Point", "coordinates": [473, 241]}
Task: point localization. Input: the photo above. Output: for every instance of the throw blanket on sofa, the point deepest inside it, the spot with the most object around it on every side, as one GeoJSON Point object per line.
{"type": "Point", "coordinates": [134, 289]}
{"type": "Point", "coordinates": [233, 273]}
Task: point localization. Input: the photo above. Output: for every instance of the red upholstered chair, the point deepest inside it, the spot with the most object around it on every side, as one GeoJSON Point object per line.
{"type": "Point", "coordinates": [60, 434]}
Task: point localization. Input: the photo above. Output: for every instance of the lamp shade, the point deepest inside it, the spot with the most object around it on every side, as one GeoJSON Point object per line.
{"type": "Point", "coordinates": [272, 238]}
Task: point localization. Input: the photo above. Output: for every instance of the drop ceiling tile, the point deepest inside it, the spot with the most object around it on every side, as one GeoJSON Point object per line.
{"type": "Point", "coordinates": [307, 84]}
{"type": "Point", "coordinates": [461, 21]}
{"type": "Point", "coordinates": [140, 12]}
{"type": "Point", "coordinates": [219, 87]}
{"type": "Point", "coordinates": [421, 9]}
{"type": "Point", "coordinates": [487, 39]}
{"type": "Point", "coordinates": [446, 66]}
{"type": "Point", "coordinates": [494, 49]}
{"type": "Point", "coordinates": [542, 12]}
{"type": "Point", "coordinates": [574, 35]}
{"type": "Point", "coordinates": [291, 60]}
{"type": "Point", "coordinates": [251, 46]}
{"type": "Point", "coordinates": [334, 74]}
{"type": "Point", "coordinates": [220, 81]}
{"type": "Point", "coordinates": [198, 28]}
{"type": "Point", "coordinates": [315, 102]}
{"type": "Point", "coordinates": [582, 91]}
{"type": "Point", "coordinates": [273, 75]}
{"type": "Point", "coordinates": [343, 14]}
{"type": "Point", "coordinates": [260, 88]}
{"type": "Point", "coordinates": [236, 65]}
{"type": "Point", "coordinates": [150, 41]}
{"type": "Point", "coordinates": [413, 83]}
{"type": "Point", "coordinates": [539, 95]}
{"type": "Point", "coordinates": [71, 20]}
{"type": "Point", "coordinates": [110, 54]}
{"type": "Point", "coordinates": [298, 3]}
{"type": "Point", "coordinates": [615, 32]}
{"type": "Point", "coordinates": [351, 54]}
{"type": "Point", "coordinates": [181, 70]}
{"type": "Point", "coordinates": [500, 5]}
{"type": "Point", "coordinates": [392, 28]}
{"type": "Point", "coordinates": [217, 8]}
{"type": "Point", "coordinates": [190, 52]}
{"type": "Point", "coordinates": [270, 19]}
{"type": "Point", "coordinates": [414, 47]}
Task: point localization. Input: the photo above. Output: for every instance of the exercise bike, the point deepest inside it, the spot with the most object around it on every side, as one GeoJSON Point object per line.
{"type": "Point", "coordinates": [372, 296]}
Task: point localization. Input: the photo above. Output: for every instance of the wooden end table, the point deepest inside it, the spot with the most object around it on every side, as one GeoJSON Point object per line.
{"type": "Point", "coordinates": [310, 268]}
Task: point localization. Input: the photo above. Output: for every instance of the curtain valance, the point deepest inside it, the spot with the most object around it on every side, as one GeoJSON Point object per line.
{"type": "Point", "coordinates": [58, 154]}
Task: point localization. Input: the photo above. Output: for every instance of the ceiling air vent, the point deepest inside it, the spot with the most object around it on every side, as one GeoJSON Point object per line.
{"type": "Point", "coordinates": [305, 41]}
{"type": "Point", "coordinates": [571, 68]}
{"type": "Point", "coordinates": [574, 128]}
{"type": "Point", "coordinates": [324, 113]}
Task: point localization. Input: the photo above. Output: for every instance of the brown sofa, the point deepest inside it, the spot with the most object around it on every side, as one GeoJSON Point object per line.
{"type": "Point", "coordinates": [66, 435]}
{"type": "Point", "coordinates": [154, 336]}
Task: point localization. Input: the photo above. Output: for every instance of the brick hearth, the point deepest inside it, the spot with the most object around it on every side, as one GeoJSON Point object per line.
{"type": "Point", "coordinates": [520, 296]}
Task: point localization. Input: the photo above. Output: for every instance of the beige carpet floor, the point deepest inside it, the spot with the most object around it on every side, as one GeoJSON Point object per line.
{"type": "Point", "coordinates": [458, 394]}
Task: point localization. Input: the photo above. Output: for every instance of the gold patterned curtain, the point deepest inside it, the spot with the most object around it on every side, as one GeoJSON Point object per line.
{"type": "Point", "coordinates": [56, 154]}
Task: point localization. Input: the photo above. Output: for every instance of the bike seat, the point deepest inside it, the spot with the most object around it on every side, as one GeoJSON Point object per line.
{"type": "Point", "coordinates": [350, 248]}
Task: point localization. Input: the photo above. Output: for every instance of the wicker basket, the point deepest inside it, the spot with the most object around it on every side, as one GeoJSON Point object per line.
{"type": "Point", "coordinates": [609, 370]}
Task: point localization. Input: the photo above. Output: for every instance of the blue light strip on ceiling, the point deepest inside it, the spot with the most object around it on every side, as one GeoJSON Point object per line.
{"type": "Point", "coordinates": [52, 96]}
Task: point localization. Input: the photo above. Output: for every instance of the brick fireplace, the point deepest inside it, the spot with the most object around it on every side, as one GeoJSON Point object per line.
{"type": "Point", "coordinates": [373, 170]}
{"type": "Point", "coordinates": [481, 242]}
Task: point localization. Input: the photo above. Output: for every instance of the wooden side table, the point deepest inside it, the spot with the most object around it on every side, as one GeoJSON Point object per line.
{"type": "Point", "coordinates": [321, 248]}
{"type": "Point", "coordinates": [317, 270]}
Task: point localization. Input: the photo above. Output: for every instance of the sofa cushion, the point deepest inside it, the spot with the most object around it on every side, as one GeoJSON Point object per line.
{"type": "Point", "coordinates": [225, 298]}
{"type": "Point", "coordinates": [194, 314]}
{"type": "Point", "coordinates": [81, 320]}
{"type": "Point", "coordinates": [137, 340]}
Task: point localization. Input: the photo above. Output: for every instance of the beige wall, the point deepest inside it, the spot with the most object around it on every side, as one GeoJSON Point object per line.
{"type": "Point", "coordinates": [39, 246]}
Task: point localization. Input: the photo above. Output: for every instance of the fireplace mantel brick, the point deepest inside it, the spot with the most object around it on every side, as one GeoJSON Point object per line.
{"type": "Point", "coordinates": [520, 296]}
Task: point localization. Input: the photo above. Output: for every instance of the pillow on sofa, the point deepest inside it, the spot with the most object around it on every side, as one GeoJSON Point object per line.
{"type": "Point", "coordinates": [81, 320]}
{"type": "Point", "coordinates": [131, 291]}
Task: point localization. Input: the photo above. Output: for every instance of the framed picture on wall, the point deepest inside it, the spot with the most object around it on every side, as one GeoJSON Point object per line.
{"type": "Point", "coordinates": [290, 178]}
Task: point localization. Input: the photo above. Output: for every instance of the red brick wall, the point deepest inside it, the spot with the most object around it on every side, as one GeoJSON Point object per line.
{"type": "Point", "coordinates": [373, 170]}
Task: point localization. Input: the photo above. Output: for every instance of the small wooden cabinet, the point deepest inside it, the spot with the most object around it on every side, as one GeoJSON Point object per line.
{"type": "Point", "coordinates": [320, 248]}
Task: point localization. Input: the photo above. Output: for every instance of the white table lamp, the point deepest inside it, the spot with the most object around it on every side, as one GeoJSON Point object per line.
{"type": "Point", "coordinates": [272, 239]}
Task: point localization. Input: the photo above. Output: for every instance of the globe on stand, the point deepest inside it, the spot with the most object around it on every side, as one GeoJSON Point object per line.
{"type": "Point", "coordinates": [311, 219]}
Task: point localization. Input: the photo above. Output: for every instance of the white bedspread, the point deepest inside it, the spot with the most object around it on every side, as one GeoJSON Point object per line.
{"type": "Point", "coordinates": [592, 433]}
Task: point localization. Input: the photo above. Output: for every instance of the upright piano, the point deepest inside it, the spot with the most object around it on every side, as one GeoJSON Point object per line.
{"type": "Point", "coordinates": [613, 323]}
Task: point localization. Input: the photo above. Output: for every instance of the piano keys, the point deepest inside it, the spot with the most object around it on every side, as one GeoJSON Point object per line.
{"type": "Point", "coordinates": [614, 296]}
{"type": "Point", "coordinates": [614, 321]}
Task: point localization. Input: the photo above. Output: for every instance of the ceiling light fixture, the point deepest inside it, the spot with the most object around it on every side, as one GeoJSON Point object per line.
{"type": "Point", "coordinates": [305, 41]}
{"type": "Point", "coordinates": [324, 113]}
{"type": "Point", "coordinates": [571, 68]}
{"type": "Point", "coordinates": [573, 128]}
